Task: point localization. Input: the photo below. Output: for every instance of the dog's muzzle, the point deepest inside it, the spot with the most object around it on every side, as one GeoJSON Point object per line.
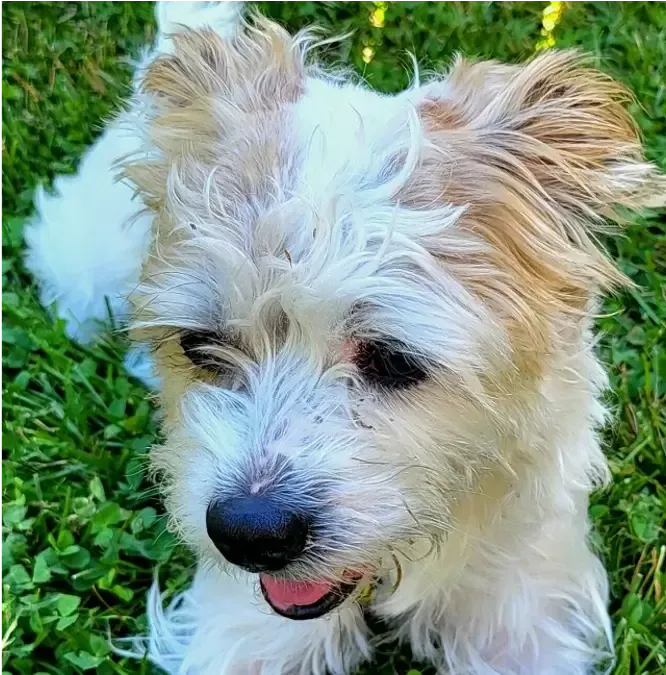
{"type": "Point", "coordinates": [259, 534]}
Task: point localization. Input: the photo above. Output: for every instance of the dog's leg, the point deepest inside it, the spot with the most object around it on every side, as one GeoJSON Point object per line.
{"type": "Point", "coordinates": [222, 626]}
{"type": "Point", "coordinates": [479, 610]}
{"type": "Point", "coordinates": [88, 239]}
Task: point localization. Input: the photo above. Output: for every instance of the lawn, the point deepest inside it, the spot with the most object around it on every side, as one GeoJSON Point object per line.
{"type": "Point", "coordinates": [82, 526]}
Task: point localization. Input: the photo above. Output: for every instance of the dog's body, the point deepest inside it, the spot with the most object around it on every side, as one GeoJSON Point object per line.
{"type": "Point", "coordinates": [371, 324]}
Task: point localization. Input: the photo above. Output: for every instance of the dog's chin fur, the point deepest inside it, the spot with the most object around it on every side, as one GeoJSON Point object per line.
{"type": "Point", "coordinates": [295, 215]}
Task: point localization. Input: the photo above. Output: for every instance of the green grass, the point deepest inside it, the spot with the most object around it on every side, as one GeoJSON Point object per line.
{"type": "Point", "coordinates": [82, 526]}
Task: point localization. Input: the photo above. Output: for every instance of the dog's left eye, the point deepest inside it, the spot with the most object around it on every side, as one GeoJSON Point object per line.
{"type": "Point", "coordinates": [195, 344]}
{"type": "Point", "coordinates": [387, 365]}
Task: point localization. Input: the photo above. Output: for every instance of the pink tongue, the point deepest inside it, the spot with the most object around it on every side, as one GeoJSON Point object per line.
{"type": "Point", "coordinates": [285, 593]}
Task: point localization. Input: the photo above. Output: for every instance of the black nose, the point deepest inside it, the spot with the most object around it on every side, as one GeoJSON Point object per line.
{"type": "Point", "coordinates": [256, 533]}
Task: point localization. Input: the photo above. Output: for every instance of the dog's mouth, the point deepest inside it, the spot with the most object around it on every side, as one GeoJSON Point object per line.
{"type": "Point", "coordinates": [302, 600]}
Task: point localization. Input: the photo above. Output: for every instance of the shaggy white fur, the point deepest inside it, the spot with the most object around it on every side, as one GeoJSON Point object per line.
{"type": "Point", "coordinates": [92, 212]}
{"type": "Point", "coordinates": [296, 222]}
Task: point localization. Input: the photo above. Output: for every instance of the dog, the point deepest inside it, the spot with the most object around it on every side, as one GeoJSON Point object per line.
{"type": "Point", "coordinates": [369, 320]}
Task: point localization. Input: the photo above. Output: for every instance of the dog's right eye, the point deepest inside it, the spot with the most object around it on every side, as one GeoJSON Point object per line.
{"type": "Point", "coordinates": [196, 345]}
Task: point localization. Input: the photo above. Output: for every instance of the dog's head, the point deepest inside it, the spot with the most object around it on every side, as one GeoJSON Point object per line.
{"type": "Point", "coordinates": [356, 301]}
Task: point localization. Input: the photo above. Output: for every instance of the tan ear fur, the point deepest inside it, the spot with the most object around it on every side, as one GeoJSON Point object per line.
{"type": "Point", "coordinates": [261, 67]}
{"type": "Point", "coordinates": [542, 155]}
{"type": "Point", "coordinates": [217, 119]}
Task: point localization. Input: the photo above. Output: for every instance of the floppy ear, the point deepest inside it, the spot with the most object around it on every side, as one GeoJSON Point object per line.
{"type": "Point", "coordinates": [541, 155]}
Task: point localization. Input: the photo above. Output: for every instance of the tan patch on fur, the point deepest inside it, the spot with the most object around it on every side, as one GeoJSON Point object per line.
{"type": "Point", "coordinates": [221, 110]}
{"type": "Point", "coordinates": [439, 115]}
{"type": "Point", "coordinates": [260, 68]}
{"type": "Point", "coordinates": [540, 154]}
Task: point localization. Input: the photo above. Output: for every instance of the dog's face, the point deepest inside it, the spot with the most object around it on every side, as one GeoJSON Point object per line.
{"type": "Point", "coordinates": [354, 299]}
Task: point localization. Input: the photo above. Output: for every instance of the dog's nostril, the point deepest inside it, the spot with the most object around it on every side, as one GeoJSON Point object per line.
{"type": "Point", "coordinates": [256, 533]}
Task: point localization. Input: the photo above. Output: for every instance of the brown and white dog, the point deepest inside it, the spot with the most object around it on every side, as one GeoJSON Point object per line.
{"type": "Point", "coordinates": [371, 325]}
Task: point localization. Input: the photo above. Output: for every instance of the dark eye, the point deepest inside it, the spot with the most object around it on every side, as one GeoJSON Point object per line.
{"type": "Point", "coordinates": [196, 344]}
{"type": "Point", "coordinates": [388, 365]}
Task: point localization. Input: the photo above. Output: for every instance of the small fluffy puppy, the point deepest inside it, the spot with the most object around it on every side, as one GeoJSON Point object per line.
{"type": "Point", "coordinates": [370, 319]}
